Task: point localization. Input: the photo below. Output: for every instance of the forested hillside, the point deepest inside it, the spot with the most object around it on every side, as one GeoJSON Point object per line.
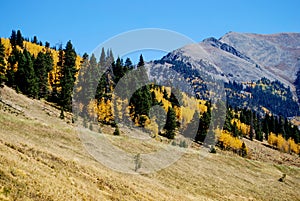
{"type": "Point", "coordinates": [85, 86]}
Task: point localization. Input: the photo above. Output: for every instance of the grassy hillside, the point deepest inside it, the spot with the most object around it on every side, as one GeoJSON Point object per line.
{"type": "Point", "coordinates": [42, 158]}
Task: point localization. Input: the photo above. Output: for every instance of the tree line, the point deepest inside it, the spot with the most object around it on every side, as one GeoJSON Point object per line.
{"type": "Point", "coordinates": [42, 76]}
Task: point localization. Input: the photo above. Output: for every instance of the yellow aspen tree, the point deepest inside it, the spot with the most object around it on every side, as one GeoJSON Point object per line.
{"type": "Point", "coordinates": [92, 109]}
{"type": "Point", "coordinates": [152, 126]}
{"type": "Point", "coordinates": [272, 139]}
{"type": "Point", "coordinates": [293, 147]}
{"type": "Point", "coordinates": [280, 142]}
{"type": "Point", "coordinates": [228, 142]}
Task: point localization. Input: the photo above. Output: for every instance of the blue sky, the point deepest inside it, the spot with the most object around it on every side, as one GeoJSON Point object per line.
{"type": "Point", "coordinates": [89, 23]}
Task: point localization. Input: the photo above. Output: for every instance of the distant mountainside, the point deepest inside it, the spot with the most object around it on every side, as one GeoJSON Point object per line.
{"type": "Point", "coordinates": [264, 67]}
{"type": "Point", "coordinates": [279, 54]}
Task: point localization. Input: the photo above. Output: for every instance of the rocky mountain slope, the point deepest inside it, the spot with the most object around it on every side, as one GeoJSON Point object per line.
{"type": "Point", "coordinates": [242, 58]}
{"type": "Point", "coordinates": [276, 53]}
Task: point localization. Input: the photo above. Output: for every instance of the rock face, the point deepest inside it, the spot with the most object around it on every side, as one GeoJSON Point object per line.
{"type": "Point", "coordinates": [244, 57]}
{"type": "Point", "coordinates": [277, 53]}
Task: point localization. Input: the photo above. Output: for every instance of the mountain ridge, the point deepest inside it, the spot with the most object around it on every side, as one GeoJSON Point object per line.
{"type": "Point", "coordinates": [246, 59]}
{"type": "Point", "coordinates": [214, 50]}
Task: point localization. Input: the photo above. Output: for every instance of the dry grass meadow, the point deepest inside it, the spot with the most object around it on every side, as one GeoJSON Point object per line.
{"type": "Point", "coordinates": [43, 158]}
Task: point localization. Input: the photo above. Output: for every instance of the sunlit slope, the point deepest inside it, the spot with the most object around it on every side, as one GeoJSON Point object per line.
{"type": "Point", "coordinates": [42, 158]}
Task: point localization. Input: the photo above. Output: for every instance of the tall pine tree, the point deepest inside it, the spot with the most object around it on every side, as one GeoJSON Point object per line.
{"type": "Point", "coordinates": [170, 124]}
{"type": "Point", "coordinates": [13, 38]}
{"type": "Point", "coordinates": [56, 80]}
{"type": "Point", "coordinates": [141, 61]}
{"type": "Point", "coordinates": [67, 81]}
{"type": "Point", "coordinates": [19, 39]}
{"type": "Point", "coordinates": [42, 66]}
{"type": "Point", "coordinates": [25, 76]}
{"type": "Point", "coordinates": [204, 122]}
{"type": "Point", "coordinates": [102, 58]}
{"type": "Point", "coordinates": [11, 67]}
{"type": "Point", "coordinates": [2, 65]}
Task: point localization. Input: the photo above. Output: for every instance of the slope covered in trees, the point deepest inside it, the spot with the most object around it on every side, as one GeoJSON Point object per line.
{"type": "Point", "coordinates": [39, 71]}
{"type": "Point", "coordinates": [43, 72]}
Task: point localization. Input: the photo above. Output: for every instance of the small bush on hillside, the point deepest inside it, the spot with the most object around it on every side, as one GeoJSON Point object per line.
{"type": "Point", "coordinates": [117, 131]}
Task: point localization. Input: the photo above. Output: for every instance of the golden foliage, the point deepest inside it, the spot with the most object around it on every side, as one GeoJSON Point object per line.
{"type": "Point", "coordinates": [92, 109]}
{"type": "Point", "coordinates": [187, 115]}
{"type": "Point", "coordinates": [283, 145]}
{"type": "Point", "coordinates": [105, 111]}
{"type": "Point", "coordinates": [189, 106]}
{"type": "Point", "coordinates": [34, 49]}
{"type": "Point", "coordinates": [228, 142]}
{"type": "Point", "coordinates": [293, 147]}
{"type": "Point", "coordinates": [186, 111]}
{"type": "Point", "coordinates": [7, 47]}
{"type": "Point", "coordinates": [272, 139]}
{"type": "Point", "coordinates": [178, 112]}
{"type": "Point", "coordinates": [244, 128]}
{"type": "Point", "coordinates": [159, 97]}
{"type": "Point", "coordinates": [152, 126]}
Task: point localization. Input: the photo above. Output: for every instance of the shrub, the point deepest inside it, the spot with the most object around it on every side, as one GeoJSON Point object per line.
{"type": "Point", "coordinates": [91, 126]}
{"type": "Point", "coordinates": [117, 131]}
{"type": "Point", "coordinates": [213, 150]}
{"type": "Point", "coordinates": [183, 144]}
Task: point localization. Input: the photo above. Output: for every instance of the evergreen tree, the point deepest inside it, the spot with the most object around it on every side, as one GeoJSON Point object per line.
{"type": "Point", "coordinates": [111, 56]}
{"type": "Point", "coordinates": [102, 58]}
{"type": "Point", "coordinates": [141, 61]}
{"type": "Point", "coordinates": [118, 70]}
{"type": "Point", "coordinates": [34, 40]}
{"type": "Point", "coordinates": [10, 72]}
{"type": "Point", "coordinates": [2, 65]}
{"type": "Point", "coordinates": [193, 126]}
{"type": "Point", "coordinates": [272, 124]}
{"type": "Point", "coordinates": [204, 122]}
{"type": "Point", "coordinates": [88, 81]}
{"type": "Point", "coordinates": [19, 39]}
{"type": "Point", "coordinates": [170, 123]}
{"type": "Point", "coordinates": [251, 133]}
{"type": "Point", "coordinates": [160, 115]}
{"type": "Point", "coordinates": [80, 96]}
{"type": "Point", "coordinates": [13, 38]}
{"type": "Point", "coordinates": [235, 130]}
{"type": "Point", "coordinates": [68, 72]}
{"type": "Point", "coordinates": [244, 150]}
{"type": "Point", "coordinates": [42, 66]}
{"type": "Point", "coordinates": [141, 101]}
{"type": "Point", "coordinates": [92, 79]}
{"type": "Point", "coordinates": [227, 124]}
{"type": "Point", "coordinates": [219, 114]}
{"type": "Point", "coordinates": [25, 76]}
{"type": "Point", "coordinates": [47, 44]}
{"type": "Point", "coordinates": [265, 126]}
{"type": "Point", "coordinates": [258, 131]}
{"type": "Point", "coordinates": [175, 97]}
{"type": "Point", "coordinates": [165, 94]}
{"type": "Point", "coordinates": [128, 64]}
